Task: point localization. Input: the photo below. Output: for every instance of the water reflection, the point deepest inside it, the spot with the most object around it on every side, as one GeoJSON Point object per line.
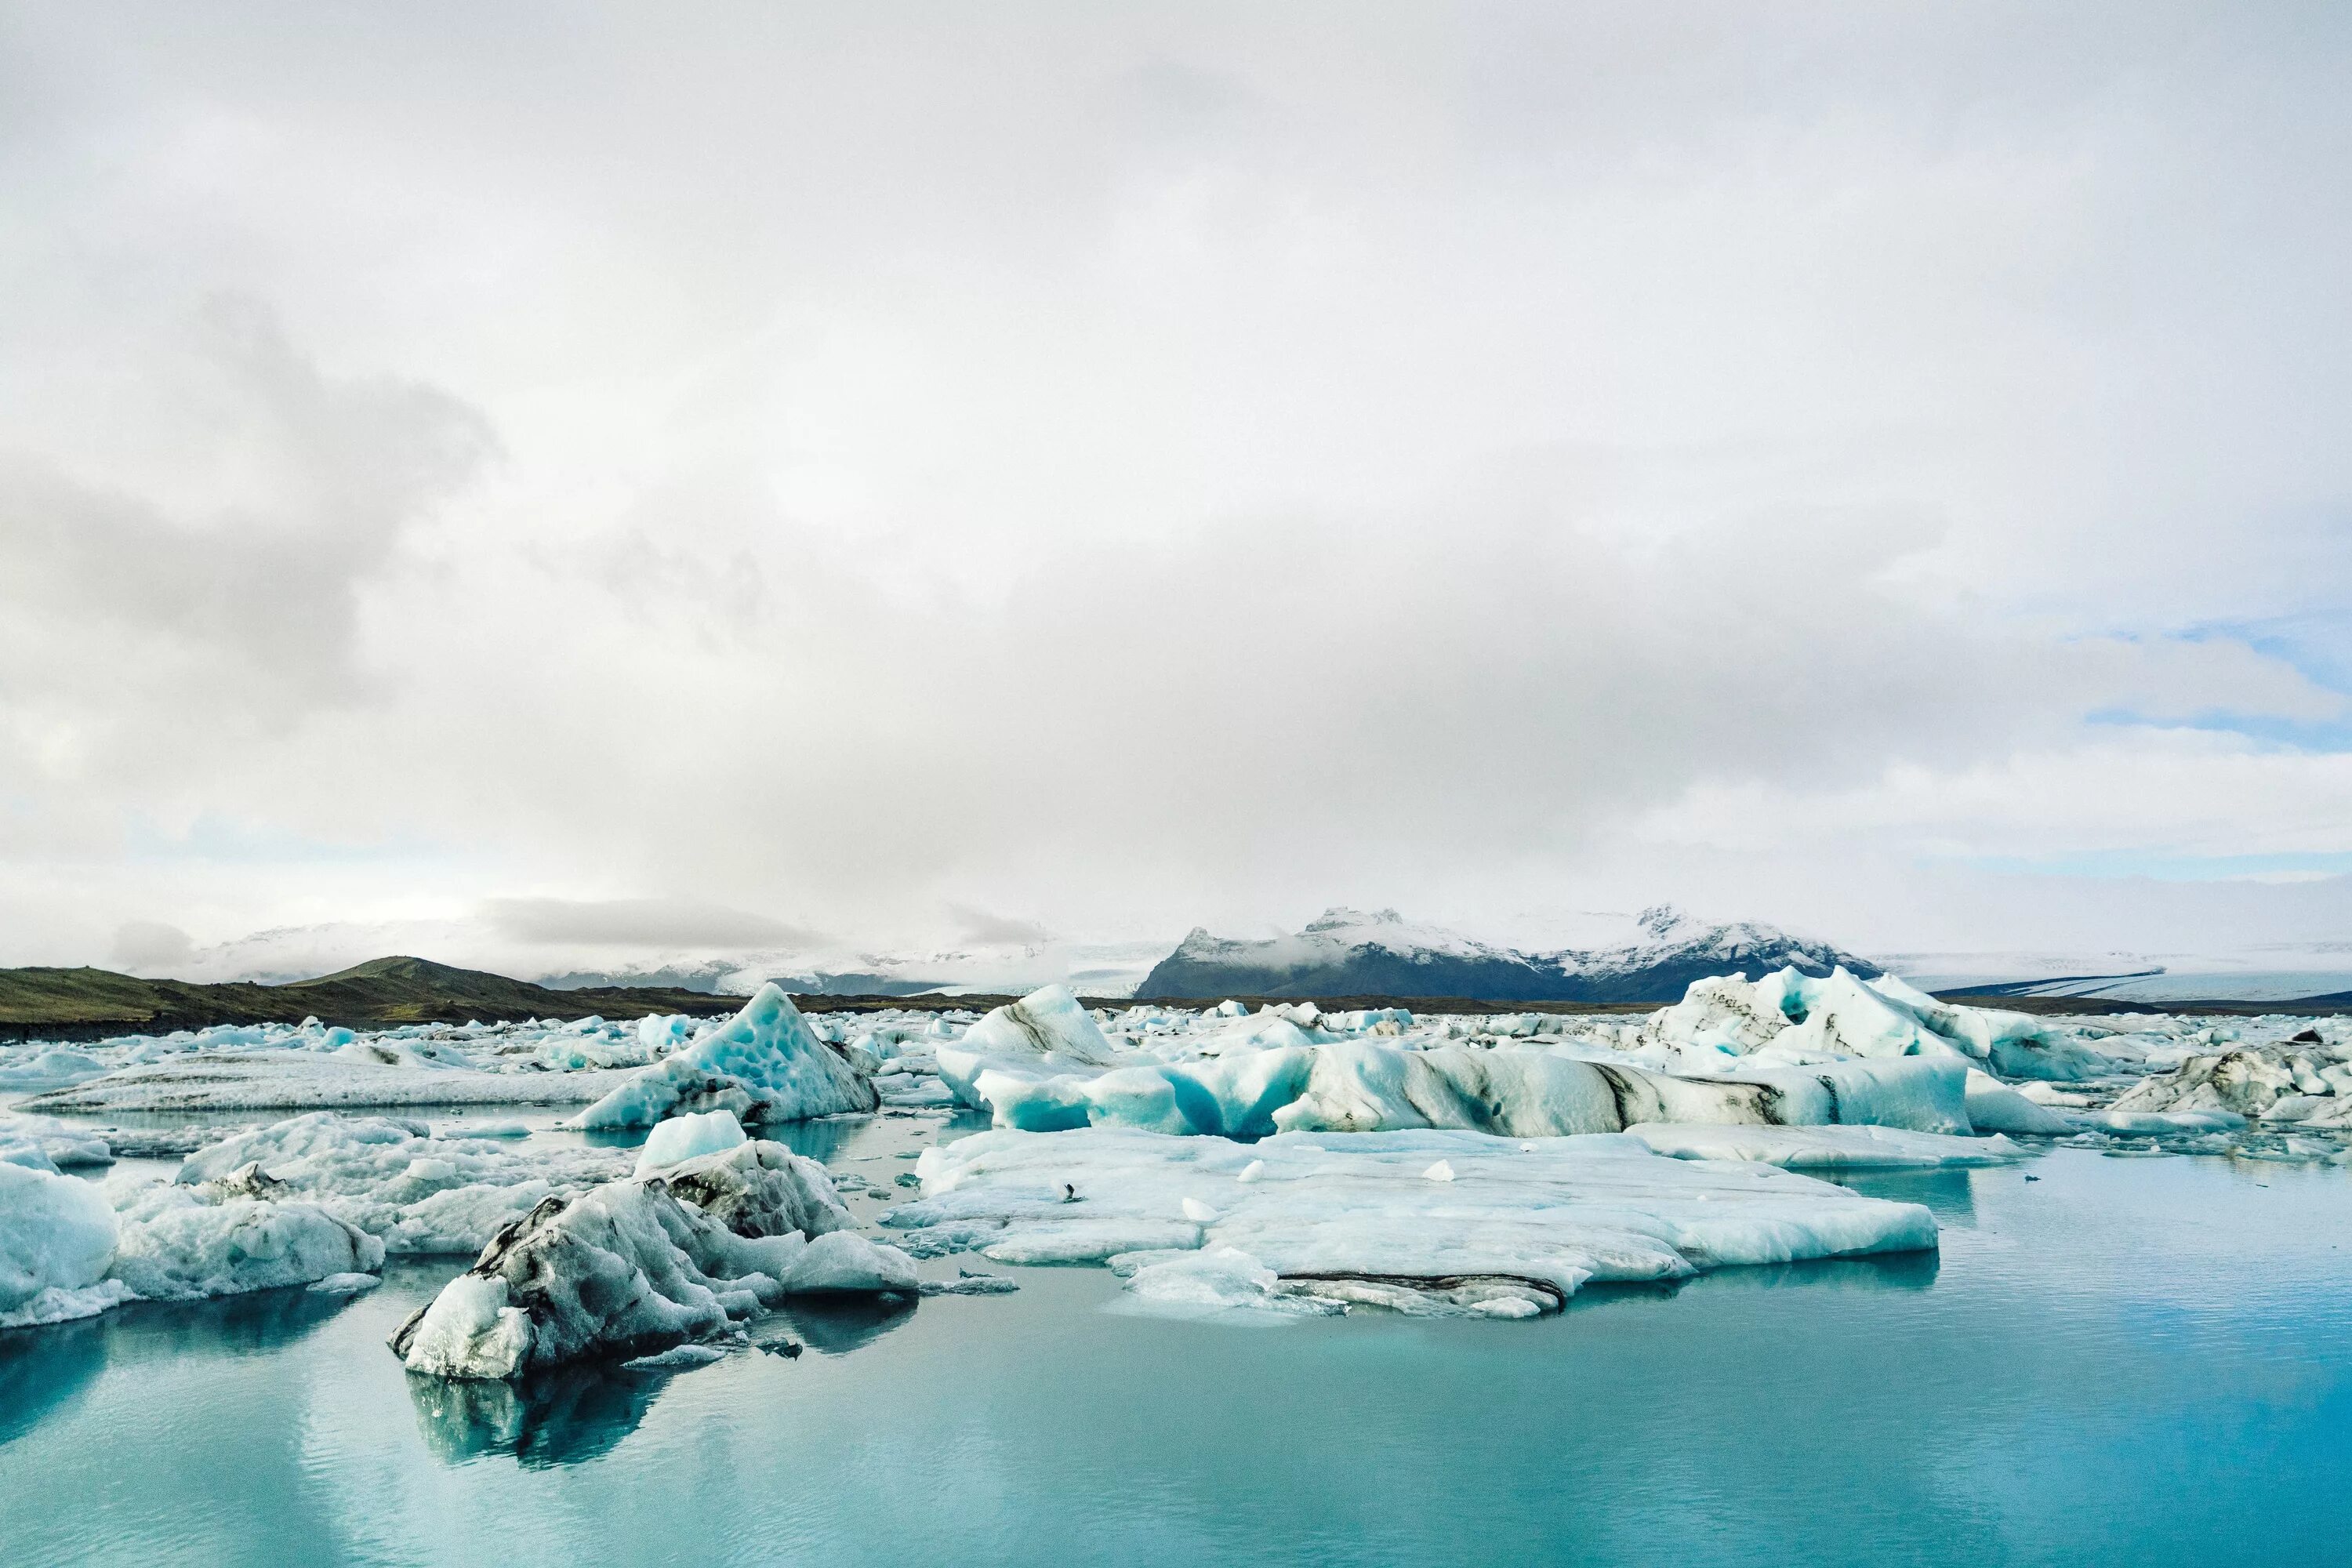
{"type": "Point", "coordinates": [567, 1414]}
{"type": "Point", "coordinates": [1904, 1271]}
{"type": "Point", "coordinates": [1948, 1194]}
{"type": "Point", "coordinates": [836, 1325]}
{"type": "Point", "coordinates": [42, 1369]}
{"type": "Point", "coordinates": [560, 1416]}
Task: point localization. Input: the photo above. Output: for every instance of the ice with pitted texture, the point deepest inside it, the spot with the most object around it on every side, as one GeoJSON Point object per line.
{"type": "Point", "coordinates": [762, 1065]}
{"type": "Point", "coordinates": [390, 1177]}
{"type": "Point", "coordinates": [637, 1266]}
{"type": "Point", "coordinates": [1532, 1219]}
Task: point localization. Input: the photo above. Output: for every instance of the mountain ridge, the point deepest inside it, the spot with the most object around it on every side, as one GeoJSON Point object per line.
{"type": "Point", "coordinates": [1345, 949]}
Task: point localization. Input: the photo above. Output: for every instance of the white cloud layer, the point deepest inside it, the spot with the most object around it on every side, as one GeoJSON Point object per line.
{"type": "Point", "coordinates": [1016, 469]}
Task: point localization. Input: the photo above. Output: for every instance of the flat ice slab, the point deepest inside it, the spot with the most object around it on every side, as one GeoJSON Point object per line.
{"type": "Point", "coordinates": [1863, 1148]}
{"type": "Point", "coordinates": [309, 1080]}
{"type": "Point", "coordinates": [1324, 1214]}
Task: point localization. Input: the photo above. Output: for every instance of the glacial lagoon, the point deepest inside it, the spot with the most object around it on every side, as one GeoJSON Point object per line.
{"type": "Point", "coordinates": [2109, 1359]}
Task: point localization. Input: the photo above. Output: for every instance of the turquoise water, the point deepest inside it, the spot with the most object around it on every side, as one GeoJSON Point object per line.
{"type": "Point", "coordinates": [2129, 1361]}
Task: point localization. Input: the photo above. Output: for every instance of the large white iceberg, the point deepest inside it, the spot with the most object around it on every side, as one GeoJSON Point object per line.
{"type": "Point", "coordinates": [1526, 1222]}
{"type": "Point", "coordinates": [66, 1252]}
{"type": "Point", "coordinates": [392, 1178]}
{"type": "Point", "coordinates": [303, 1080]}
{"type": "Point", "coordinates": [1802, 1018]}
{"type": "Point", "coordinates": [637, 1266]}
{"type": "Point", "coordinates": [762, 1065]}
{"type": "Point", "coordinates": [1373, 1086]}
{"type": "Point", "coordinates": [175, 1246]}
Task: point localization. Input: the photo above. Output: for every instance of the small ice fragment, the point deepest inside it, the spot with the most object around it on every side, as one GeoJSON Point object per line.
{"type": "Point", "coordinates": [677, 1357]}
{"type": "Point", "coordinates": [1527, 1148]}
{"type": "Point", "coordinates": [346, 1284]}
{"type": "Point", "coordinates": [1199, 1213]}
{"type": "Point", "coordinates": [484, 1130]}
{"type": "Point", "coordinates": [1440, 1172]}
{"type": "Point", "coordinates": [682, 1138]}
{"type": "Point", "coordinates": [1252, 1171]}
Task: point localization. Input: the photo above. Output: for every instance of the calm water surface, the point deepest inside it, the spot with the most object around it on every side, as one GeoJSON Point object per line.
{"type": "Point", "coordinates": [2127, 1360]}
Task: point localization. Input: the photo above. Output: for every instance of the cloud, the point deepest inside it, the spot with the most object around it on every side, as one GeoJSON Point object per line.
{"type": "Point", "coordinates": [1203, 466]}
{"type": "Point", "coordinates": [647, 923]}
{"type": "Point", "coordinates": [151, 947]}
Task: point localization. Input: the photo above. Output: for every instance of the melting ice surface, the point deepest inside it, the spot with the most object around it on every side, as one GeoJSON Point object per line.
{"type": "Point", "coordinates": [2127, 1360]}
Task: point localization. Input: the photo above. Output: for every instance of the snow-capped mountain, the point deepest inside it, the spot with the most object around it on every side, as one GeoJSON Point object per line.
{"type": "Point", "coordinates": [1348, 953]}
{"type": "Point", "coordinates": [817, 967]}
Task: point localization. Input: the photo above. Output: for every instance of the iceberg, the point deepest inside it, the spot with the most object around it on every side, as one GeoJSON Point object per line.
{"type": "Point", "coordinates": [636, 1267]}
{"type": "Point", "coordinates": [1357, 1216]}
{"type": "Point", "coordinates": [1376, 1086]}
{"type": "Point", "coordinates": [1799, 1017]}
{"type": "Point", "coordinates": [388, 1176]}
{"type": "Point", "coordinates": [1048, 1022]}
{"type": "Point", "coordinates": [303, 1080]}
{"type": "Point", "coordinates": [57, 1239]}
{"type": "Point", "coordinates": [762, 1065]}
{"type": "Point", "coordinates": [176, 1248]}
{"type": "Point", "coordinates": [1858, 1148]}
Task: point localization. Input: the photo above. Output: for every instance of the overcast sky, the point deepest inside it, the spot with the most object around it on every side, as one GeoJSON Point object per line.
{"type": "Point", "coordinates": [925, 469]}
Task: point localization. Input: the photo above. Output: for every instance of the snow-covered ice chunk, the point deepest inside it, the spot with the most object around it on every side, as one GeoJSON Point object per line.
{"type": "Point", "coordinates": [1858, 1148]}
{"type": "Point", "coordinates": [677, 1358]}
{"type": "Point", "coordinates": [1546, 1216]}
{"type": "Point", "coordinates": [175, 1246]}
{"type": "Point", "coordinates": [415, 1193]}
{"type": "Point", "coordinates": [48, 1069]}
{"type": "Point", "coordinates": [682, 1138]}
{"type": "Point", "coordinates": [637, 1266]}
{"type": "Point", "coordinates": [1802, 1018]}
{"type": "Point", "coordinates": [45, 1142]}
{"type": "Point", "coordinates": [57, 1238]}
{"type": "Point", "coordinates": [301, 1080]}
{"type": "Point", "coordinates": [1439, 1172]}
{"type": "Point", "coordinates": [762, 1065]}
{"type": "Point", "coordinates": [1048, 1022]}
{"type": "Point", "coordinates": [1223, 1280]}
{"type": "Point", "coordinates": [346, 1284]}
{"type": "Point", "coordinates": [1994, 1107]}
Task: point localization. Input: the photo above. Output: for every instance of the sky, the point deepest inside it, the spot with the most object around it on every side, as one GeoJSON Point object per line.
{"type": "Point", "coordinates": [770, 473]}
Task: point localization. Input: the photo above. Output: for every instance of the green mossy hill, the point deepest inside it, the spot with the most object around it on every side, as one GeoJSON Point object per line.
{"type": "Point", "coordinates": [87, 1002]}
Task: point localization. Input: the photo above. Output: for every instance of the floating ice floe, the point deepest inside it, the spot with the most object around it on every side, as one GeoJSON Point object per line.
{"type": "Point", "coordinates": [46, 1143]}
{"type": "Point", "coordinates": [762, 1065]}
{"type": "Point", "coordinates": [2305, 1081]}
{"type": "Point", "coordinates": [66, 1252]}
{"type": "Point", "coordinates": [294, 1080]}
{"type": "Point", "coordinates": [1860, 1148]}
{"type": "Point", "coordinates": [634, 1266]}
{"type": "Point", "coordinates": [57, 1242]}
{"type": "Point", "coordinates": [1796, 1017]}
{"type": "Point", "coordinates": [415, 1193]}
{"type": "Point", "coordinates": [1249, 1090]}
{"type": "Point", "coordinates": [1354, 1216]}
